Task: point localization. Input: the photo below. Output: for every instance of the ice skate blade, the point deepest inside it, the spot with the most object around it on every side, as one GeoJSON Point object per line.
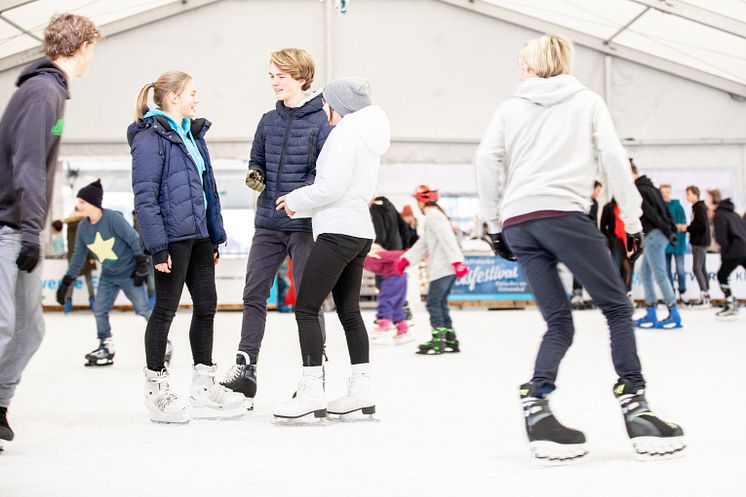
{"type": "Point", "coordinates": [402, 341]}
{"type": "Point", "coordinates": [670, 326]}
{"type": "Point", "coordinates": [658, 448]}
{"type": "Point", "coordinates": [169, 420]}
{"type": "Point", "coordinates": [729, 317]}
{"type": "Point", "coordinates": [318, 414]}
{"type": "Point", "coordinates": [96, 364]}
{"type": "Point", "coordinates": [248, 403]}
{"type": "Point", "coordinates": [429, 352]}
{"type": "Point", "coordinates": [204, 412]}
{"type": "Point", "coordinates": [546, 453]}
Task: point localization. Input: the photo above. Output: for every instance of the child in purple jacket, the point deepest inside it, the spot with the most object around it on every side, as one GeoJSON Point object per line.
{"type": "Point", "coordinates": [390, 314]}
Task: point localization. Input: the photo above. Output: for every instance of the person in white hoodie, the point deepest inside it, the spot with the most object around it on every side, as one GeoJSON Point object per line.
{"type": "Point", "coordinates": [337, 202]}
{"type": "Point", "coordinates": [536, 167]}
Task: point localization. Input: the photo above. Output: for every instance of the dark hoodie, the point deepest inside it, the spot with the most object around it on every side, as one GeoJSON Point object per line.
{"type": "Point", "coordinates": [730, 231]}
{"type": "Point", "coordinates": [30, 132]}
{"type": "Point", "coordinates": [655, 214]}
{"type": "Point", "coordinates": [699, 229]}
{"type": "Point", "coordinates": [391, 232]}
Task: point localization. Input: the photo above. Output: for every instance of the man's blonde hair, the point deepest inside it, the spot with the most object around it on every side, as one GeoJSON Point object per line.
{"type": "Point", "coordinates": [548, 55]}
{"type": "Point", "coordinates": [297, 63]}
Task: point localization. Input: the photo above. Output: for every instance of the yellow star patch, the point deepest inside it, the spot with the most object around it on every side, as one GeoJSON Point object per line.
{"type": "Point", "coordinates": [104, 249]}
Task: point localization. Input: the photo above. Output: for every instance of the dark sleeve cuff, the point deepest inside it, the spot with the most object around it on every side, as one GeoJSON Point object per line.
{"type": "Point", "coordinates": [160, 257]}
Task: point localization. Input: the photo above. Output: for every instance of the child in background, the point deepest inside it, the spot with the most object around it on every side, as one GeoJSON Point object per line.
{"type": "Point", "coordinates": [444, 265]}
{"type": "Point", "coordinates": [58, 242]}
{"type": "Point", "coordinates": [390, 314]}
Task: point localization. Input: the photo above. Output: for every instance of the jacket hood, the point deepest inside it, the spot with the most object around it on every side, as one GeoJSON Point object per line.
{"type": "Point", "coordinates": [312, 103]}
{"type": "Point", "coordinates": [674, 202]}
{"type": "Point", "coordinates": [644, 181]}
{"type": "Point", "coordinates": [372, 125]}
{"type": "Point", "coordinates": [549, 91]}
{"type": "Point", "coordinates": [44, 67]}
{"type": "Point", "coordinates": [727, 205]}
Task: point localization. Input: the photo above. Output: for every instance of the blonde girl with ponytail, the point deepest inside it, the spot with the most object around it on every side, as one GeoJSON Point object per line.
{"type": "Point", "coordinates": [179, 211]}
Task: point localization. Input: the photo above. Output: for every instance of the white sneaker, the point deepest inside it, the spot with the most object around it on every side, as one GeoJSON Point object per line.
{"type": "Point", "coordinates": [210, 399]}
{"type": "Point", "coordinates": [163, 405]}
{"type": "Point", "coordinates": [359, 397]}
{"type": "Point", "coordinates": [309, 398]}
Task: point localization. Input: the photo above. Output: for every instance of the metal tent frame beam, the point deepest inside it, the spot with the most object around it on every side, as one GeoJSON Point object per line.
{"type": "Point", "coordinates": [697, 14]}
{"type": "Point", "coordinates": [6, 5]}
{"type": "Point", "coordinates": [616, 50]}
{"type": "Point", "coordinates": [111, 28]}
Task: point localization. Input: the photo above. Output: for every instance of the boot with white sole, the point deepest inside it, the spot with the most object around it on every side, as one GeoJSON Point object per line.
{"type": "Point", "coordinates": [309, 398]}
{"type": "Point", "coordinates": [359, 397]}
{"type": "Point", "coordinates": [210, 399]}
{"type": "Point", "coordinates": [164, 406]}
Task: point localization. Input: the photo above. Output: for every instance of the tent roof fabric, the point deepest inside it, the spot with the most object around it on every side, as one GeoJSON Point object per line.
{"type": "Point", "coordinates": [705, 37]}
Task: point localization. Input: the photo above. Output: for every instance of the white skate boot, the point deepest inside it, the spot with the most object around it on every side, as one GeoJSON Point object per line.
{"type": "Point", "coordinates": [210, 399]}
{"type": "Point", "coordinates": [359, 397]}
{"type": "Point", "coordinates": [309, 398]}
{"type": "Point", "coordinates": [383, 333]}
{"type": "Point", "coordinates": [163, 405]}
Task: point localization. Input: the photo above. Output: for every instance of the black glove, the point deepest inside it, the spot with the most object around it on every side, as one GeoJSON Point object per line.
{"type": "Point", "coordinates": [635, 245]}
{"type": "Point", "coordinates": [140, 274]}
{"type": "Point", "coordinates": [67, 280]}
{"type": "Point", "coordinates": [28, 258]}
{"type": "Point", "coordinates": [672, 239]}
{"type": "Point", "coordinates": [255, 180]}
{"type": "Point", "coordinates": [500, 246]}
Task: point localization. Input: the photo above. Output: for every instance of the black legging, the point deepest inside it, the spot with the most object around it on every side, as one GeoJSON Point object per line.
{"type": "Point", "coordinates": [626, 267]}
{"type": "Point", "coordinates": [726, 267]}
{"type": "Point", "coordinates": [335, 265]}
{"type": "Point", "coordinates": [191, 263]}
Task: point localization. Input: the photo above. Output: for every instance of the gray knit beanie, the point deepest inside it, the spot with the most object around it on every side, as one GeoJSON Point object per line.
{"type": "Point", "coordinates": [347, 95]}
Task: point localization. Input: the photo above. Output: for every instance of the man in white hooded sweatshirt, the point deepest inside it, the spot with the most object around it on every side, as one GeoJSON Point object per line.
{"type": "Point", "coordinates": [536, 168]}
{"type": "Point", "coordinates": [337, 202]}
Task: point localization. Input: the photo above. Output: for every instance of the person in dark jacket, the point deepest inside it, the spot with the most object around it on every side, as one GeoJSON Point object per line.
{"type": "Point", "coordinates": [178, 208]}
{"type": "Point", "coordinates": [577, 288]}
{"type": "Point", "coordinates": [660, 230]}
{"type": "Point", "coordinates": [613, 228]}
{"type": "Point", "coordinates": [286, 145]}
{"type": "Point", "coordinates": [730, 233]}
{"type": "Point", "coordinates": [30, 132]}
{"type": "Point", "coordinates": [117, 247]}
{"type": "Point", "coordinates": [677, 250]}
{"type": "Point", "coordinates": [411, 227]}
{"type": "Point", "coordinates": [699, 237]}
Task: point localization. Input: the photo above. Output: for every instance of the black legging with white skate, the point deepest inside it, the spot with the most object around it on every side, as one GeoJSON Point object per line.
{"type": "Point", "coordinates": [191, 263]}
{"type": "Point", "coordinates": [335, 265]}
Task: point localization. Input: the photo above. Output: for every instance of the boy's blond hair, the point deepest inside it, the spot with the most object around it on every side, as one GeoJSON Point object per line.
{"type": "Point", "coordinates": [297, 63]}
{"type": "Point", "coordinates": [548, 55]}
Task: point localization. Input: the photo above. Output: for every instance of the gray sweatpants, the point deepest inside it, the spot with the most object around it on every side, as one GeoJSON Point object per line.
{"type": "Point", "coordinates": [268, 251]}
{"type": "Point", "coordinates": [21, 319]}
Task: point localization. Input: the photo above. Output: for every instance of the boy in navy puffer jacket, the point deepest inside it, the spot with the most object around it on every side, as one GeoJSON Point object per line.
{"type": "Point", "coordinates": [283, 158]}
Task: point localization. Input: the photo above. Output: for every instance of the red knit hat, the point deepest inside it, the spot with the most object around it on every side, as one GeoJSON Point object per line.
{"type": "Point", "coordinates": [425, 194]}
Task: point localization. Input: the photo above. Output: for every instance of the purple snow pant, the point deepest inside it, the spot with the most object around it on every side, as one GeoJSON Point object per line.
{"type": "Point", "coordinates": [391, 298]}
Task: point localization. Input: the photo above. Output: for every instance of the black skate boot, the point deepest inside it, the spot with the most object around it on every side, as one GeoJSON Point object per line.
{"type": "Point", "coordinates": [436, 345]}
{"type": "Point", "coordinates": [550, 442]}
{"type": "Point", "coordinates": [652, 438]}
{"type": "Point", "coordinates": [242, 379]}
{"type": "Point", "coordinates": [452, 344]}
{"type": "Point", "coordinates": [6, 434]}
{"type": "Point", "coordinates": [103, 355]}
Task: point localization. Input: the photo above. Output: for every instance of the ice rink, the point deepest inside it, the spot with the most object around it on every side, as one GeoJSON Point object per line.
{"type": "Point", "coordinates": [449, 425]}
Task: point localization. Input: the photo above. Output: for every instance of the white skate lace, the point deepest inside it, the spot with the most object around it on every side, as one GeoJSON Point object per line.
{"type": "Point", "coordinates": [233, 373]}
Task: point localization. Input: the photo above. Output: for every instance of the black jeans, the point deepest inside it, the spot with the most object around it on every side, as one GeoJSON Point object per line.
{"type": "Point", "coordinates": [573, 240]}
{"type": "Point", "coordinates": [268, 250]}
{"type": "Point", "coordinates": [191, 263]}
{"type": "Point", "coordinates": [727, 266]}
{"type": "Point", "coordinates": [336, 266]}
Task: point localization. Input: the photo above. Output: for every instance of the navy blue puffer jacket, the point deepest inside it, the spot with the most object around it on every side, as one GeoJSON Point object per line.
{"type": "Point", "coordinates": [286, 144]}
{"type": "Point", "coordinates": [168, 191]}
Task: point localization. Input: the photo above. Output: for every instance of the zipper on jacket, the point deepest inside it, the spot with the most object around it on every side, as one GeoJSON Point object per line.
{"type": "Point", "coordinates": [282, 158]}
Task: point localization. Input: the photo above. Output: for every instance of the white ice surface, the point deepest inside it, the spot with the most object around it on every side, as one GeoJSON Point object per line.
{"type": "Point", "coordinates": [449, 425]}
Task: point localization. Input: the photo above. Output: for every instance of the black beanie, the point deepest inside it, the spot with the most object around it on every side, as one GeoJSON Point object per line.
{"type": "Point", "coordinates": [93, 193]}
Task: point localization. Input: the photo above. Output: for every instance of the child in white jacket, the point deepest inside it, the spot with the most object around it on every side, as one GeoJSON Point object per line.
{"type": "Point", "coordinates": [337, 202]}
{"type": "Point", "coordinates": [444, 265]}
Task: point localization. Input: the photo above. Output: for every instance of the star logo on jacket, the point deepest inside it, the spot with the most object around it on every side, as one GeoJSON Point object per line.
{"type": "Point", "coordinates": [104, 249]}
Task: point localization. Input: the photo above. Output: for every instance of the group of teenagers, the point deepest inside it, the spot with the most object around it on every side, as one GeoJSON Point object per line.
{"type": "Point", "coordinates": [317, 156]}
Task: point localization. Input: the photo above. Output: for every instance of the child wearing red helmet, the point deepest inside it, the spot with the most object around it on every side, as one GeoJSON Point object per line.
{"type": "Point", "coordinates": [444, 265]}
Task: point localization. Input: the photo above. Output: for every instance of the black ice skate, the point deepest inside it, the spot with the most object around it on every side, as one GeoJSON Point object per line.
{"type": "Point", "coordinates": [652, 438]}
{"type": "Point", "coordinates": [242, 379]}
{"type": "Point", "coordinates": [436, 345]}
{"type": "Point", "coordinates": [103, 355]}
{"type": "Point", "coordinates": [452, 344]}
{"type": "Point", "coordinates": [6, 434]}
{"type": "Point", "coordinates": [549, 441]}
